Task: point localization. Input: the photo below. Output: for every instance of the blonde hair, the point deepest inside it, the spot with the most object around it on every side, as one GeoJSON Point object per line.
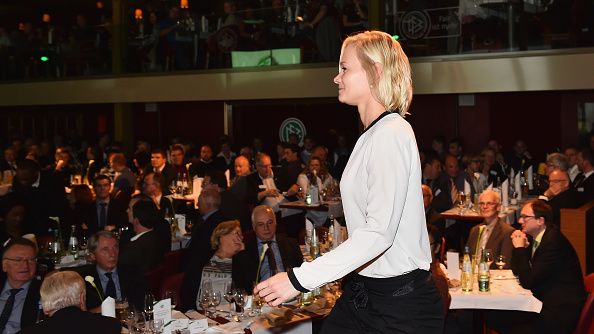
{"type": "Point", "coordinates": [224, 228]}
{"type": "Point", "coordinates": [393, 89]}
{"type": "Point", "coordinates": [61, 289]}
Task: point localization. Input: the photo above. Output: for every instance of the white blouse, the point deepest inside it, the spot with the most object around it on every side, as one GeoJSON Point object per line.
{"type": "Point", "coordinates": [383, 207]}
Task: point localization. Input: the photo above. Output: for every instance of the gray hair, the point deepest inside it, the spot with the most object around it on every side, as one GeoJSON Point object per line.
{"type": "Point", "coordinates": [94, 240]}
{"type": "Point", "coordinates": [261, 208]}
{"type": "Point", "coordinates": [559, 160]}
{"type": "Point", "coordinates": [62, 289]}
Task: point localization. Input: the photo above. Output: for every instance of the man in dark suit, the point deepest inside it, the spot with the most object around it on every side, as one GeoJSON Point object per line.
{"type": "Point", "coordinates": [493, 233]}
{"type": "Point", "coordinates": [547, 264]}
{"type": "Point", "coordinates": [231, 206]}
{"type": "Point", "coordinates": [44, 194]}
{"type": "Point", "coordinates": [144, 249]}
{"type": "Point", "coordinates": [559, 194]}
{"type": "Point", "coordinates": [9, 161]}
{"type": "Point", "coordinates": [159, 164]}
{"type": "Point", "coordinates": [64, 302]}
{"type": "Point", "coordinates": [431, 216]}
{"type": "Point", "coordinates": [283, 253]}
{"type": "Point", "coordinates": [109, 277]}
{"type": "Point", "coordinates": [19, 265]}
{"type": "Point", "coordinates": [103, 211]}
{"type": "Point", "coordinates": [431, 171]}
{"type": "Point", "coordinates": [154, 186]}
{"type": "Point", "coordinates": [584, 181]}
{"type": "Point", "coordinates": [209, 203]}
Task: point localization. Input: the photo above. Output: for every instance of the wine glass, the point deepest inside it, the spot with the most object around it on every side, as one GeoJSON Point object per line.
{"type": "Point", "coordinates": [173, 187]}
{"type": "Point", "coordinates": [171, 294]}
{"type": "Point", "coordinates": [489, 256]}
{"type": "Point", "coordinates": [229, 293]}
{"type": "Point", "coordinates": [149, 302]}
{"type": "Point", "coordinates": [138, 323]}
{"type": "Point", "coordinates": [461, 199]}
{"type": "Point", "coordinates": [204, 300]}
{"type": "Point", "coordinates": [500, 264]}
{"type": "Point", "coordinates": [156, 326]}
{"type": "Point", "coordinates": [215, 300]}
{"type": "Point", "coordinates": [241, 299]}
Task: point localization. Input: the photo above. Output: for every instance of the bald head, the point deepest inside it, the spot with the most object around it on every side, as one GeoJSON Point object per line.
{"type": "Point", "coordinates": [451, 166]}
{"type": "Point", "coordinates": [559, 179]}
{"type": "Point", "coordinates": [242, 166]}
{"type": "Point", "coordinates": [427, 196]}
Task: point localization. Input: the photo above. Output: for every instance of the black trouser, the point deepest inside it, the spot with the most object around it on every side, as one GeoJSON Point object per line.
{"type": "Point", "coordinates": [410, 303]}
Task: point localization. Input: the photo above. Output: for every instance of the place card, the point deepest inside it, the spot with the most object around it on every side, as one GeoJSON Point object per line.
{"type": "Point", "coordinates": [177, 325]}
{"type": "Point", "coordinates": [198, 326]}
{"type": "Point", "coordinates": [453, 265]}
{"type": "Point", "coordinates": [162, 310]}
{"type": "Point", "coordinates": [181, 223]}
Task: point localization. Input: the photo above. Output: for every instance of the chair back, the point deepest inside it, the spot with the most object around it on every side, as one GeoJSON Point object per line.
{"type": "Point", "coordinates": [172, 260]}
{"type": "Point", "coordinates": [173, 283]}
{"type": "Point", "coordinates": [154, 278]}
{"type": "Point", "coordinates": [585, 323]}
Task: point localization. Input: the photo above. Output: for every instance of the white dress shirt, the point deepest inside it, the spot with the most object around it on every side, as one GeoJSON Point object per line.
{"type": "Point", "coordinates": [383, 208]}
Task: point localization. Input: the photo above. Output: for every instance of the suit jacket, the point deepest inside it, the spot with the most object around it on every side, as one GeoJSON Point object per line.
{"type": "Point", "coordinates": [499, 241]}
{"type": "Point", "coordinates": [443, 201]}
{"type": "Point", "coordinates": [281, 180]}
{"type": "Point", "coordinates": [73, 320]}
{"type": "Point", "coordinates": [433, 217]}
{"type": "Point", "coordinates": [126, 179]}
{"type": "Point", "coordinates": [584, 192]}
{"type": "Point", "coordinates": [240, 273]}
{"type": "Point", "coordinates": [143, 252]}
{"type": "Point", "coordinates": [169, 172]}
{"type": "Point", "coordinates": [4, 165]}
{"type": "Point", "coordinates": [201, 234]}
{"type": "Point", "coordinates": [565, 200]}
{"type": "Point", "coordinates": [116, 215]}
{"type": "Point", "coordinates": [31, 305]}
{"type": "Point", "coordinates": [46, 200]}
{"type": "Point", "coordinates": [554, 276]}
{"type": "Point", "coordinates": [289, 251]}
{"type": "Point", "coordinates": [232, 208]}
{"type": "Point", "coordinates": [132, 284]}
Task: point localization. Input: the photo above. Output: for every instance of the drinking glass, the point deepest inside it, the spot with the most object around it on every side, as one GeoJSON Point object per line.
{"type": "Point", "coordinates": [489, 256]}
{"type": "Point", "coordinates": [149, 303]}
{"type": "Point", "coordinates": [241, 299]}
{"type": "Point", "coordinates": [229, 293]}
{"type": "Point", "coordinates": [121, 308]}
{"type": "Point", "coordinates": [461, 199]}
{"type": "Point", "coordinates": [173, 187]}
{"type": "Point", "coordinates": [215, 300]}
{"type": "Point", "coordinates": [171, 294]}
{"type": "Point", "coordinates": [138, 323]}
{"type": "Point", "coordinates": [204, 300]}
{"type": "Point", "coordinates": [257, 303]}
{"type": "Point", "coordinates": [500, 264]}
{"type": "Point", "coordinates": [156, 326]}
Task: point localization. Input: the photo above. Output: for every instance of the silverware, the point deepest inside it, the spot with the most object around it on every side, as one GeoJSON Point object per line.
{"type": "Point", "coordinates": [249, 324]}
{"type": "Point", "coordinates": [299, 315]}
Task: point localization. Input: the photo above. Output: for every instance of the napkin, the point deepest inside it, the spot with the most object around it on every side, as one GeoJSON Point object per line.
{"type": "Point", "coordinates": [230, 327]}
{"type": "Point", "coordinates": [228, 176]}
{"type": "Point", "coordinates": [505, 193]}
{"type": "Point", "coordinates": [308, 228]}
{"type": "Point", "coordinates": [279, 316]}
{"type": "Point", "coordinates": [530, 177]}
{"type": "Point", "coordinates": [512, 174]}
{"type": "Point", "coordinates": [108, 307]}
{"type": "Point", "coordinates": [337, 237]}
{"type": "Point", "coordinates": [319, 304]}
{"type": "Point", "coordinates": [490, 187]}
{"type": "Point", "coordinates": [467, 188]}
{"type": "Point", "coordinates": [518, 186]}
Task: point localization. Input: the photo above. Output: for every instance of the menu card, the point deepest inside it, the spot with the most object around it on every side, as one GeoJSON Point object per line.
{"type": "Point", "coordinates": [505, 193]}
{"type": "Point", "coordinates": [181, 223]}
{"type": "Point", "coordinates": [453, 265]}
{"type": "Point", "coordinates": [162, 310]}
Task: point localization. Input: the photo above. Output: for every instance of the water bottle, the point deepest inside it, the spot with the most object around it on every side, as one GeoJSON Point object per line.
{"type": "Point", "coordinates": [73, 243]}
{"type": "Point", "coordinates": [483, 273]}
{"type": "Point", "coordinates": [466, 272]}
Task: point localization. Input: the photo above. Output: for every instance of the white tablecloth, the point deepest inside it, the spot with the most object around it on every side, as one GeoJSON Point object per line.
{"type": "Point", "coordinates": [505, 294]}
{"type": "Point", "coordinates": [509, 214]}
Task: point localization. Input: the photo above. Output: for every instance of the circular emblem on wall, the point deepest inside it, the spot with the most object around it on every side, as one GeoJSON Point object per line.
{"type": "Point", "coordinates": [289, 126]}
{"type": "Point", "coordinates": [415, 25]}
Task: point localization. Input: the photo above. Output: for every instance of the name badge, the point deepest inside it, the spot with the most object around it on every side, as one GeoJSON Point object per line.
{"type": "Point", "coordinates": [262, 186]}
{"type": "Point", "coordinates": [580, 189]}
{"type": "Point", "coordinates": [493, 172]}
{"type": "Point", "coordinates": [437, 192]}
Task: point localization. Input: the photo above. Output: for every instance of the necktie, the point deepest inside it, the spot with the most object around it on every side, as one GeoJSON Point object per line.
{"type": "Point", "coordinates": [103, 215]}
{"type": "Point", "coordinates": [484, 237]}
{"type": "Point", "coordinates": [110, 289]}
{"type": "Point", "coordinates": [534, 246]}
{"type": "Point", "coordinates": [578, 180]}
{"type": "Point", "coordinates": [454, 193]}
{"type": "Point", "coordinates": [7, 310]}
{"type": "Point", "coordinates": [271, 259]}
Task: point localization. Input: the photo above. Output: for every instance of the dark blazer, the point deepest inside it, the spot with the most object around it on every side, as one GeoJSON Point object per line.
{"type": "Point", "coordinates": [433, 217]}
{"type": "Point", "coordinates": [584, 192]}
{"type": "Point", "coordinates": [132, 284]}
{"type": "Point", "coordinates": [169, 172]}
{"type": "Point", "coordinates": [554, 276]}
{"type": "Point", "coordinates": [4, 165]}
{"type": "Point", "coordinates": [201, 234]}
{"type": "Point", "coordinates": [145, 252]}
{"type": "Point", "coordinates": [499, 241]}
{"type": "Point", "coordinates": [116, 215]}
{"type": "Point", "coordinates": [240, 272]}
{"type": "Point", "coordinates": [47, 200]}
{"type": "Point", "coordinates": [31, 306]}
{"type": "Point", "coordinates": [73, 320]}
{"type": "Point", "coordinates": [565, 200]}
{"type": "Point", "coordinates": [232, 208]}
{"type": "Point", "coordinates": [289, 250]}
{"type": "Point", "coordinates": [443, 201]}
{"type": "Point", "coordinates": [281, 180]}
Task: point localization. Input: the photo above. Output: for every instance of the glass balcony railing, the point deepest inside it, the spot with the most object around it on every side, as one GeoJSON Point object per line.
{"type": "Point", "coordinates": [68, 41]}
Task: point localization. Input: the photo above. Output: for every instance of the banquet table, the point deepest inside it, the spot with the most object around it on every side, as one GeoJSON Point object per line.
{"type": "Point", "coordinates": [508, 214]}
{"type": "Point", "coordinates": [318, 212]}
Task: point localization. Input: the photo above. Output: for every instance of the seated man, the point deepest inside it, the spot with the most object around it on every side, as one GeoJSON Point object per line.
{"type": "Point", "coordinates": [160, 165]}
{"type": "Point", "coordinates": [493, 233]}
{"type": "Point", "coordinates": [63, 300]}
{"type": "Point", "coordinates": [110, 278]}
{"type": "Point", "coordinates": [177, 160]}
{"type": "Point", "coordinates": [548, 266]}
{"type": "Point", "coordinates": [154, 186]}
{"type": "Point", "coordinates": [559, 195]}
{"type": "Point", "coordinates": [584, 181]}
{"type": "Point", "coordinates": [125, 178]}
{"type": "Point", "coordinates": [239, 182]}
{"type": "Point", "coordinates": [144, 248]}
{"type": "Point", "coordinates": [103, 211]}
{"type": "Point", "coordinates": [20, 292]}
{"type": "Point", "coordinates": [231, 207]}
{"type": "Point", "coordinates": [283, 253]}
{"type": "Point", "coordinates": [431, 216]}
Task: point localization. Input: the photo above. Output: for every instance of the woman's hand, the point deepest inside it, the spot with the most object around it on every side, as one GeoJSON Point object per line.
{"type": "Point", "coordinates": [276, 290]}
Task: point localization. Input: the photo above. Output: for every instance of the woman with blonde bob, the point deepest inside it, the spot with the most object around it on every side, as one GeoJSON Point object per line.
{"type": "Point", "coordinates": [388, 249]}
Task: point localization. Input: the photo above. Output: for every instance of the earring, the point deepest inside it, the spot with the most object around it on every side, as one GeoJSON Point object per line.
{"type": "Point", "coordinates": [371, 86]}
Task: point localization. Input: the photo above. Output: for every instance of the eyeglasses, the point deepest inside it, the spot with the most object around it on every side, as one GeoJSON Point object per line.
{"type": "Point", "coordinates": [556, 181]}
{"type": "Point", "coordinates": [21, 261]}
{"type": "Point", "coordinates": [524, 217]}
{"type": "Point", "coordinates": [204, 184]}
{"type": "Point", "coordinates": [487, 203]}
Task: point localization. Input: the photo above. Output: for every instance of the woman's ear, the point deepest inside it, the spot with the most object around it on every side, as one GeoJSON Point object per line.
{"type": "Point", "coordinates": [378, 69]}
